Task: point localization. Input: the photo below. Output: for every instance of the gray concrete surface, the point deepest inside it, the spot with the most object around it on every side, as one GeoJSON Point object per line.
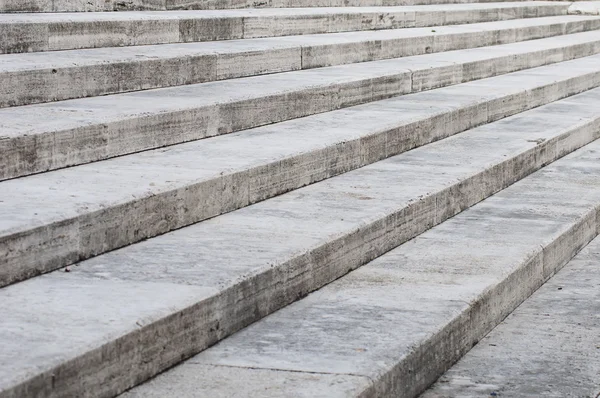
{"type": "Point", "coordinates": [50, 76]}
{"type": "Point", "coordinates": [252, 383]}
{"type": "Point", "coordinates": [125, 5]}
{"type": "Point", "coordinates": [41, 137]}
{"type": "Point", "coordinates": [60, 31]}
{"type": "Point", "coordinates": [54, 219]}
{"type": "Point", "coordinates": [120, 318]}
{"type": "Point", "coordinates": [549, 347]}
{"type": "Point", "coordinates": [402, 319]}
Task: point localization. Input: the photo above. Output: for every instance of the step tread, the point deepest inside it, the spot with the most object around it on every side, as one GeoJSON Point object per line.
{"type": "Point", "coordinates": [39, 137]}
{"type": "Point", "coordinates": [415, 308]}
{"type": "Point", "coordinates": [153, 5]}
{"type": "Point", "coordinates": [547, 347]}
{"type": "Point", "coordinates": [48, 76]}
{"type": "Point", "coordinates": [14, 121]}
{"type": "Point", "coordinates": [260, 12]}
{"type": "Point", "coordinates": [166, 169]}
{"type": "Point", "coordinates": [45, 226]}
{"type": "Point", "coordinates": [271, 240]}
{"type": "Point", "coordinates": [60, 31]}
{"type": "Point", "coordinates": [93, 56]}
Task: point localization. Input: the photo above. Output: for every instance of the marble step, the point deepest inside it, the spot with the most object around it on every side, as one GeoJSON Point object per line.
{"type": "Point", "coordinates": [395, 325]}
{"type": "Point", "coordinates": [29, 78]}
{"type": "Point", "coordinates": [548, 347]}
{"type": "Point", "coordinates": [54, 219]}
{"type": "Point", "coordinates": [63, 31]}
{"type": "Point", "coordinates": [43, 137]}
{"type": "Point", "coordinates": [114, 321]}
{"type": "Point", "coordinates": [164, 5]}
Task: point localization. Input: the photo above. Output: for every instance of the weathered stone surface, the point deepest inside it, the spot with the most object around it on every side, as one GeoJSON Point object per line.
{"type": "Point", "coordinates": [310, 186]}
{"type": "Point", "coordinates": [48, 76]}
{"type": "Point", "coordinates": [48, 32]}
{"type": "Point", "coordinates": [402, 319]}
{"type": "Point", "coordinates": [154, 5]}
{"type": "Point", "coordinates": [41, 137]}
{"type": "Point", "coordinates": [258, 383]}
{"type": "Point", "coordinates": [55, 219]}
{"type": "Point", "coordinates": [548, 347]}
{"type": "Point", "coordinates": [239, 267]}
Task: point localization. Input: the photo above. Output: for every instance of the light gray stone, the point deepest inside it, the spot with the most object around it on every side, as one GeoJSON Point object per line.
{"type": "Point", "coordinates": [404, 318]}
{"type": "Point", "coordinates": [47, 76]}
{"type": "Point", "coordinates": [585, 8]}
{"type": "Point", "coordinates": [239, 267]}
{"type": "Point", "coordinates": [123, 5]}
{"type": "Point", "coordinates": [59, 31]}
{"type": "Point", "coordinates": [54, 219]}
{"type": "Point", "coordinates": [253, 381]}
{"type": "Point", "coordinates": [41, 137]}
{"type": "Point", "coordinates": [550, 345]}
{"type": "Point", "coordinates": [110, 323]}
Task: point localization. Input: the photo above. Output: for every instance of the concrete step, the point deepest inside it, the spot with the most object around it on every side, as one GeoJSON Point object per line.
{"type": "Point", "coordinates": [393, 326]}
{"type": "Point", "coordinates": [548, 347]}
{"type": "Point", "coordinates": [48, 32]}
{"type": "Point", "coordinates": [57, 218]}
{"type": "Point", "coordinates": [51, 76]}
{"type": "Point", "coordinates": [120, 318]}
{"type": "Point", "coordinates": [164, 5]}
{"type": "Point", "coordinates": [37, 138]}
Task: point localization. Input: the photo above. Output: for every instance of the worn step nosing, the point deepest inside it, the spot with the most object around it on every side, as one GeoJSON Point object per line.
{"type": "Point", "coordinates": [429, 357]}
{"type": "Point", "coordinates": [483, 314]}
{"type": "Point", "coordinates": [44, 142]}
{"type": "Point", "coordinates": [437, 354]}
{"type": "Point", "coordinates": [271, 288]}
{"type": "Point", "coordinates": [49, 77]}
{"type": "Point", "coordinates": [529, 337]}
{"type": "Point", "coordinates": [51, 32]}
{"type": "Point", "coordinates": [31, 250]}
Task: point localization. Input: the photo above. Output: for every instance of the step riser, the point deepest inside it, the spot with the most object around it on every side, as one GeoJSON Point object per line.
{"type": "Point", "coordinates": [23, 155]}
{"type": "Point", "coordinates": [435, 356]}
{"type": "Point", "coordinates": [168, 341]}
{"type": "Point", "coordinates": [165, 5]}
{"type": "Point", "coordinates": [48, 36]}
{"type": "Point", "coordinates": [54, 84]}
{"type": "Point", "coordinates": [418, 307]}
{"type": "Point", "coordinates": [527, 340]}
{"type": "Point", "coordinates": [50, 247]}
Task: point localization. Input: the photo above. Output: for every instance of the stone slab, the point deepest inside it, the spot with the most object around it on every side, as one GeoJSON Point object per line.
{"type": "Point", "coordinates": [37, 138]}
{"type": "Point", "coordinates": [30, 78]}
{"type": "Point", "coordinates": [63, 31]}
{"type": "Point", "coordinates": [157, 5]}
{"type": "Point", "coordinates": [220, 275]}
{"type": "Point", "coordinates": [117, 202]}
{"type": "Point", "coordinates": [252, 383]}
{"type": "Point", "coordinates": [549, 346]}
{"type": "Point", "coordinates": [54, 219]}
{"type": "Point", "coordinates": [404, 318]}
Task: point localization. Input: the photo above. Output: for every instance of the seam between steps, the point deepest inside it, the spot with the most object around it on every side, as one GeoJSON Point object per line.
{"type": "Point", "coordinates": [372, 382]}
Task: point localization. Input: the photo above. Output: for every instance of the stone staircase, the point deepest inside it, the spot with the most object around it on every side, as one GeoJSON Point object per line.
{"type": "Point", "coordinates": [548, 347]}
{"type": "Point", "coordinates": [337, 200]}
